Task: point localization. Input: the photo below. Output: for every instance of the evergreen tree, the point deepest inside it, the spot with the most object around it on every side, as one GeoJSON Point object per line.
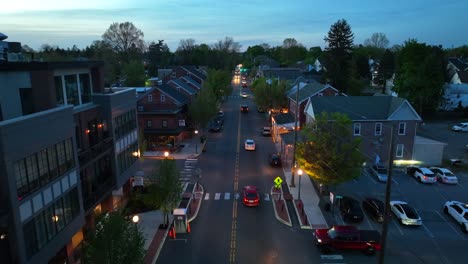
{"type": "Point", "coordinates": [338, 54]}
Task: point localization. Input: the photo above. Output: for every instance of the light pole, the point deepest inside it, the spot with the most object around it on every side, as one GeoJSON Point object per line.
{"type": "Point", "coordinates": [135, 220]}
{"type": "Point", "coordinates": [295, 137]}
{"type": "Point", "coordinates": [299, 172]}
{"type": "Point", "coordinates": [196, 144]}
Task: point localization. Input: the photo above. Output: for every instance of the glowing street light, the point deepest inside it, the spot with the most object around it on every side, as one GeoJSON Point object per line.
{"type": "Point", "coordinates": [299, 172]}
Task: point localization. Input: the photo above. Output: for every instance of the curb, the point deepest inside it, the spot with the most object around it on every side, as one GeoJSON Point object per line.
{"type": "Point", "coordinates": [274, 209]}
{"type": "Point", "coordinates": [307, 226]}
{"type": "Point", "coordinates": [155, 258]}
{"type": "Point", "coordinates": [199, 153]}
{"type": "Point", "coordinates": [199, 204]}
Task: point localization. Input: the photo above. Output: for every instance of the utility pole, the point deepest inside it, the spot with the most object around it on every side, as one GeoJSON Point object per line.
{"type": "Point", "coordinates": [295, 138]}
{"type": "Point", "coordinates": [383, 239]}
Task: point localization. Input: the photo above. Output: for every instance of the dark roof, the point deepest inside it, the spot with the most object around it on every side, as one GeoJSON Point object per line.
{"type": "Point", "coordinates": [307, 91]}
{"type": "Point", "coordinates": [195, 71]}
{"type": "Point", "coordinates": [463, 75]}
{"type": "Point", "coordinates": [192, 81]}
{"type": "Point", "coordinates": [282, 73]}
{"type": "Point", "coordinates": [184, 86]}
{"type": "Point", "coordinates": [284, 118]}
{"type": "Point", "coordinates": [173, 93]}
{"type": "Point", "coordinates": [358, 107]}
{"type": "Point", "coordinates": [37, 65]}
{"type": "Point", "coordinates": [458, 63]}
{"type": "Point", "coordinates": [287, 138]}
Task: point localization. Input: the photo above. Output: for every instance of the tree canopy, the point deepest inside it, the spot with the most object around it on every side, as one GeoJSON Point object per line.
{"type": "Point", "coordinates": [378, 40]}
{"type": "Point", "coordinates": [116, 241]}
{"type": "Point", "coordinates": [327, 150]}
{"type": "Point", "coordinates": [203, 108]}
{"type": "Point", "coordinates": [270, 94]}
{"type": "Point", "coordinates": [125, 39]}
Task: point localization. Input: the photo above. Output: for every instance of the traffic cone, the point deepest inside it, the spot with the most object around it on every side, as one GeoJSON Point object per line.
{"type": "Point", "coordinates": [188, 227]}
{"type": "Point", "coordinates": [170, 233]}
{"type": "Point", "coordinates": [173, 232]}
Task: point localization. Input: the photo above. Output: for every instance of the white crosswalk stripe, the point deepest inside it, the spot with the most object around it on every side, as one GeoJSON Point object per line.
{"type": "Point", "coordinates": [227, 196]}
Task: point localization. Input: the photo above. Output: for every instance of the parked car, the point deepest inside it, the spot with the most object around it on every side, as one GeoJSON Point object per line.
{"type": "Point", "coordinates": [444, 175]}
{"type": "Point", "coordinates": [244, 108]}
{"type": "Point", "coordinates": [374, 208]}
{"type": "Point", "coordinates": [244, 95]}
{"type": "Point", "coordinates": [405, 214]}
{"type": "Point", "coordinates": [350, 209]}
{"type": "Point", "coordinates": [379, 171]}
{"type": "Point", "coordinates": [250, 196]}
{"type": "Point", "coordinates": [459, 212]}
{"type": "Point", "coordinates": [347, 237]}
{"type": "Point", "coordinates": [461, 127]}
{"type": "Point", "coordinates": [215, 127]}
{"type": "Point", "coordinates": [422, 174]}
{"type": "Point", "coordinates": [274, 159]}
{"type": "Point", "coordinates": [266, 131]}
{"type": "Point", "coordinates": [249, 144]}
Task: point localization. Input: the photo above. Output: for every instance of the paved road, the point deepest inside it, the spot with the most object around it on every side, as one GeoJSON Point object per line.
{"type": "Point", "coordinates": [225, 231]}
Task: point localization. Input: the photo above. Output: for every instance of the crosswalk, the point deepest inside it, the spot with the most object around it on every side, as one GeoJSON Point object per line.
{"type": "Point", "coordinates": [191, 171]}
{"type": "Point", "coordinates": [228, 196]}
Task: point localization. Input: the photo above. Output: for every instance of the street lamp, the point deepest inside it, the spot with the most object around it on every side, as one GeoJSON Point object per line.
{"type": "Point", "coordinates": [135, 220]}
{"type": "Point", "coordinates": [196, 145]}
{"type": "Point", "coordinates": [166, 154]}
{"type": "Point", "coordinates": [299, 172]}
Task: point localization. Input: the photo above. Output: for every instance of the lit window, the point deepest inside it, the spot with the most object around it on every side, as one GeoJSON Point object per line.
{"type": "Point", "coordinates": [357, 129]}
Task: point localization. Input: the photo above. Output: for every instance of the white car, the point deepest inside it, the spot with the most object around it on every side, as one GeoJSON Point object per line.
{"type": "Point", "coordinates": [249, 144]}
{"type": "Point", "coordinates": [244, 95]}
{"type": "Point", "coordinates": [422, 174]}
{"type": "Point", "coordinates": [405, 213]}
{"type": "Point", "coordinates": [461, 127]}
{"type": "Point", "coordinates": [459, 212]}
{"type": "Point", "coordinates": [444, 175]}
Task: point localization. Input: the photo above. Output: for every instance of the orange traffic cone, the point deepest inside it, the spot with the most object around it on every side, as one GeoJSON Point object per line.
{"type": "Point", "coordinates": [188, 227]}
{"type": "Point", "coordinates": [170, 233]}
{"type": "Point", "coordinates": [173, 232]}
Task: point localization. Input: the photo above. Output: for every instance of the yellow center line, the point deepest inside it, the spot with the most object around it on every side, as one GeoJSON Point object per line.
{"type": "Point", "coordinates": [232, 253]}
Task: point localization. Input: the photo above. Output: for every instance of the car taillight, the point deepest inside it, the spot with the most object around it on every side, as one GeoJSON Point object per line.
{"type": "Point", "coordinates": [246, 200]}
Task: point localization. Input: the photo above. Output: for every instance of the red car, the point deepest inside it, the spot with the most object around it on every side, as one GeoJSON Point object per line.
{"type": "Point", "coordinates": [347, 237]}
{"type": "Point", "coordinates": [250, 196]}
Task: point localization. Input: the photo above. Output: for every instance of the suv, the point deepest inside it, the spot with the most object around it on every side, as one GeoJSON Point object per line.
{"type": "Point", "coordinates": [422, 174]}
{"type": "Point", "coordinates": [379, 171]}
{"type": "Point", "coordinates": [350, 209]}
{"type": "Point", "coordinates": [460, 127]}
{"type": "Point", "coordinates": [459, 212]}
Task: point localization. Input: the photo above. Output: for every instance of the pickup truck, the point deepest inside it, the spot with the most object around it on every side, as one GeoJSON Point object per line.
{"type": "Point", "coordinates": [347, 237]}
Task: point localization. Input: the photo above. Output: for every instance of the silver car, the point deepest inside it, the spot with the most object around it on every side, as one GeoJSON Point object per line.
{"type": "Point", "coordinates": [380, 172]}
{"type": "Point", "coordinates": [444, 175]}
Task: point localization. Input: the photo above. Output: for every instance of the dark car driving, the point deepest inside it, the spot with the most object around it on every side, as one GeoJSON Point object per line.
{"type": "Point", "coordinates": [350, 209]}
{"type": "Point", "coordinates": [274, 159]}
{"type": "Point", "coordinates": [374, 208]}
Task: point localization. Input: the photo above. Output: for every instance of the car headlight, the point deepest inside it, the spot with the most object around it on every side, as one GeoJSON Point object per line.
{"type": "Point", "coordinates": [319, 240]}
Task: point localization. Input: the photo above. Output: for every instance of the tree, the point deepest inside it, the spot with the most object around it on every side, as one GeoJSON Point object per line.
{"type": "Point", "coordinates": [270, 94]}
{"type": "Point", "coordinates": [184, 51]}
{"type": "Point", "coordinates": [170, 187]}
{"type": "Point", "coordinates": [203, 108]}
{"type": "Point", "coordinates": [313, 54]}
{"type": "Point", "coordinates": [134, 74]}
{"type": "Point", "coordinates": [219, 82]}
{"type": "Point", "coordinates": [226, 53]}
{"type": "Point", "coordinates": [338, 54]}
{"type": "Point", "coordinates": [292, 51]}
{"type": "Point", "coordinates": [125, 39]}
{"type": "Point", "coordinates": [378, 40]}
{"type": "Point", "coordinates": [420, 75]}
{"type": "Point", "coordinates": [116, 241]}
{"type": "Point", "coordinates": [386, 68]}
{"type": "Point", "coordinates": [158, 55]}
{"type": "Point", "coordinates": [327, 150]}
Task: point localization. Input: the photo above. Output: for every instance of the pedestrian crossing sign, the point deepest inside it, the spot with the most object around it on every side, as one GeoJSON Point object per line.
{"type": "Point", "coordinates": [278, 182]}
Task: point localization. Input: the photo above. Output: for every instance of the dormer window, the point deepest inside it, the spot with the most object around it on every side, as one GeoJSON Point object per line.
{"type": "Point", "coordinates": [173, 75]}
{"type": "Point", "coordinates": [150, 98]}
{"type": "Point", "coordinates": [163, 98]}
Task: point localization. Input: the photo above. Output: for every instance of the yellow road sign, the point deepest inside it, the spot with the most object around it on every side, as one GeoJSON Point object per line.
{"type": "Point", "coordinates": [278, 182]}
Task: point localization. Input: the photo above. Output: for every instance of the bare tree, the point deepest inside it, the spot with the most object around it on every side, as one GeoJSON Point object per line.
{"type": "Point", "coordinates": [290, 42]}
{"type": "Point", "coordinates": [378, 40]}
{"type": "Point", "coordinates": [186, 45]}
{"type": "Point", "coordinates": [227, 45]}
{"type": "Point", "coordinates": [124, 38]}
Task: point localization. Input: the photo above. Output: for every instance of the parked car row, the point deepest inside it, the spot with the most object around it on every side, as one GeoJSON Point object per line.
{"type": "Point", "coordinates": [432, 175]}
{"type": "Point", "coordinates": [405, 214]}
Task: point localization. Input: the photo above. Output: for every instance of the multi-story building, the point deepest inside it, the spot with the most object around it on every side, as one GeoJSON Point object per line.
{"type": "Point", "coordinates": [67, 153]}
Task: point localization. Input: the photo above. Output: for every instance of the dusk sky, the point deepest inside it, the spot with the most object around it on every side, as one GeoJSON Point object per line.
{"type": "Point", "coordinates": [253, 22]}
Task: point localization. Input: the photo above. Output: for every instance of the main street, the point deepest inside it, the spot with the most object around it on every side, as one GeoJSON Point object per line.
{"type": "Point", "coordinates": [225, 231]}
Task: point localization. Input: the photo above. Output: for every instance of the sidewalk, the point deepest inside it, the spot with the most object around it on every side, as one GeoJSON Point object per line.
{"type": "Point", "coordinates": [307, 208]}
{"type": "Point", "coordinates": [191, 149]}
{"type": "Point", "coordinates": [150, 222]}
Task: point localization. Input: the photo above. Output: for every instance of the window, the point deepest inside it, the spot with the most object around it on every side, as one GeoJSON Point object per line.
{"type": "Point", "coordinates": [357, 129]}
{"type": "Point", "coordinates": [71, 88]}
{"type": "Point", "coordinates": [33, 173]}
{"type": "Point", "coordinates": [141, 108]}
{"type": "Point", "coordinates": [52, 157]}
{"type": "Point", "coordinates": [378, 129]}
{"type": "Point", "coordinates": [164, 123]}
{"type": "Point", "coordinates": [43, 169]}
{"type": "Point", "coordinates": [61, 157]}
{"type": "Point", "coordinates": [337, 94]}
{"type": "Point", "coordinates": [59, 98]}
{"type": "Point", "coordinates": [21, 179]}
{"type": "Point", "coordinates": [173, 75]}
{"type": "Point", "coordinates": [402, 128]}
{"type": "Point", "coordinates": [320, 94]}
{"type": "Point", "coordinates": [30, 239]}
{"type": "Point", "coordinates": [149, 123]}
{"type": "Point", "coordinates": [163, 98]}
{"type": "Point", "coordinates": [399, 151]}
{"type": "Point", "coordinates": [150, 98]}
{"type": "Point", "coordinates": [85, 88]}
